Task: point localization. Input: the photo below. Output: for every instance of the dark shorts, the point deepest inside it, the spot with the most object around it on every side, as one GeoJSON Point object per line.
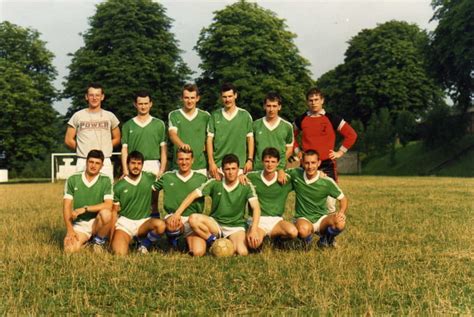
{"type": "Point", "coordinates": [329, 167]}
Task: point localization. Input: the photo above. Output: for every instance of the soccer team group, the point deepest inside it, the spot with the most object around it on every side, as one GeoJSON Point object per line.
{"type": "Point", "coordinates": [225, 155]}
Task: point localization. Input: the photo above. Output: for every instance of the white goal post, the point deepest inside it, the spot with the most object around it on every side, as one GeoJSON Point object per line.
{"type": "Point", "coordinates": [63, 165]}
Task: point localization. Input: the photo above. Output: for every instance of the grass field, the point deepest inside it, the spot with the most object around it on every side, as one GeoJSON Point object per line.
{"type": "Point", "coordinates": [408, 250]}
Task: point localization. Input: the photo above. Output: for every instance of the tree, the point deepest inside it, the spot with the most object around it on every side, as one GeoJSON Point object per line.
{"type": "Point", "coordinates": [129, 47]}
{"type": "Point", "coordinates": [384, 67]}
{"type": "Point", "coordinates": [380, 133]}
{"type": "Point", "coordinates": [252, 48]}
{"type": "Point", "coordinates": [452, 49]}
{"type": "Point", "coordinates": [28, 120]}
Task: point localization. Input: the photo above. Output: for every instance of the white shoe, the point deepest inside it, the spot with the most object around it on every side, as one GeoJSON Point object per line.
{"type": "Point", "coordinates": [142, 250]}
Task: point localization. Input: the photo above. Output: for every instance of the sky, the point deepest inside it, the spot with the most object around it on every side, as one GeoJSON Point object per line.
{"type": "Point", "coordinates": [323, 27]}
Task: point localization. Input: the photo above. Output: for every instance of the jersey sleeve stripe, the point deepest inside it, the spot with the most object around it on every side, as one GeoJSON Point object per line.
{"type": "Point", "coordinates": [111, 197]}
{"type": "Point", "coordinates": [68, 196]}
{"type": "Point", "coordinates": [341, 125]}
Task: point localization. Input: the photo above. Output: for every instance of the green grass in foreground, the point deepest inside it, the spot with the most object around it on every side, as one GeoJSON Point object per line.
{"type": "Point", "coordinates": [408, 250]}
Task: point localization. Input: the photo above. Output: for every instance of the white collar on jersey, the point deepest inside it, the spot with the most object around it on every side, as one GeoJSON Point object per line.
{"type": "Point", "coordinates": [92, 182]}
{"type": "Point", "coordinates": [134, 182]}
{"type": "Point", "coordinates": [142, 124]}
{"type": "Point", "coordinates": [270, 182]}
{"type": "Point", "coordinates": [320, 113]}
{"type": "Point", "coordinates": [183, 178]}
{"type": "Point", "coordinates": [231, 116]}
{"type": "Point", "coordinates": [189, 117]}
{"type": "Point", "coordinates": [230, 188]}
{"type": "Point", "coordinates": [310, 181]}
{"type": "Point", "coordinates": [269, 126]}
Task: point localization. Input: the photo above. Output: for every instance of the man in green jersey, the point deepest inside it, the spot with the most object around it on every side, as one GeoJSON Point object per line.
{"type": "Point", "coordinates": [272, 131]}
{"type": "Point", "coordinates": [229, 131]}
{"type": "Point", "coordinates": [187, 128]}
{"type": "Point", "coordinates": [146, 135]}
{"type": "Point", "coordinates": [272, 197]}
{"type": "Point", "coordinates": [132, 196]}
{"type": "Point", "coordinates": [176, 185]}
{"type": "Point", "coordinates": [227, 218]}
{"type": "Point", "coordinates": [311, 210]}
{"type": "Point", "coordinates": [87, 205]}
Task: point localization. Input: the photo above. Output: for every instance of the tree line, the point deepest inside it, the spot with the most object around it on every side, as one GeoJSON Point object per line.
{"type": "Point", "coordinates": [391, 86]}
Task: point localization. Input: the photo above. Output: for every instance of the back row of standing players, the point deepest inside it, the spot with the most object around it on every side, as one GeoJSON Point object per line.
{"type": "Point", "coordinates": [205, 140]}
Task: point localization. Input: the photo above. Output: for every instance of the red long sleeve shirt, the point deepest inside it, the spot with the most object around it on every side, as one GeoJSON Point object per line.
{"type": "Point", "coordinates": [319, 132]}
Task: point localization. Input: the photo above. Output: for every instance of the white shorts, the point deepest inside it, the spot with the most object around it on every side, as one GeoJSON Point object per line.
{"type": "Point", "coordinates": [317, 224]}
{"type": "Point", "coordinates": [84, 227]}
{"type": "Point", "coordinates": [266, 223]}
{"type": "Point", "coordinates": [129, 226]}
{"type": "Point", "coordinates": [107, 169]}
{"type": "Point", "coordinates": [226, 231]}
{"type": "Point", "coordinates": [152, 166]}
{"type": "Point", "coordinates": [186, 227]}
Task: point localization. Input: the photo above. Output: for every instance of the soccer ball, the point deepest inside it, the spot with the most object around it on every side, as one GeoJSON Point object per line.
{"type": "Point", "coordinates": [222, 248]}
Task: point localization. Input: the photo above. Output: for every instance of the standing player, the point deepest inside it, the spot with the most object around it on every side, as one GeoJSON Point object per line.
{"type": "Point", "coordinates": [146, 135]}
{"type": "Point", "coordinates": [318, 129]}
{"type": "Point", "coordinates": [176, 186]}
{"type": "Point", "coordinates": [187, 128]}
{"type": "Point", "coordinates": [132, 196]}
{"type": "Point", "coordinates": [229, 131]}
{"type": "Point", "coordinates": [87, 205]}
{"type": "Point", "coordinates": [311, 196]}
{"type": "Point", "coordinates": [227, 218]}
{"type": "Point", "coordinates": [272, 197]}
{"type": "Point", "coordinates": [272, 131]}
{"type": "Point", "coordinates": [93, 128]}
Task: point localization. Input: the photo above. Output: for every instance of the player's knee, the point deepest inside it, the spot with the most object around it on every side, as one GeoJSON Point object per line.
{"type": "Point", "coordinates": [304, 231]}
{"type": "Point", "coordinates": [194, 220]}
{"type": "Point", "coordinates": [105, 215]}
{"type": "Point", "coordinates": [292, 232]}
{"type": "Point", "coordinates": [158, 225]}
{"type": "Point", "coordinates": [198, 251]}
{"type": "Point", "coordinates": [242, 250]}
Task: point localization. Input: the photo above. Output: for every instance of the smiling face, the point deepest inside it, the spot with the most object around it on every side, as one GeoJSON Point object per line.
{"type": "Point", "coordinates": [143, 105]}
{"type": "Point", "coordinates": [315, 103]}
{"type": "Point", "coordinates": [270, 164]}
{"type": "Point", "coordinates": [190, 100]}
{"type": "Point", "coordinates": [231, 172]}
{"type": "Point", "coordinates": [311, 164]}
{"type": "Point", "coordinates": [184, 162]}
{"type": "Point", "coordinates": [135, 167]}
{"type": "Point", "coordinates": [94, 97]}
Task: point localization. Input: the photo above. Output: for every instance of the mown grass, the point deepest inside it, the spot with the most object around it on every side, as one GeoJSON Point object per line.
{"type": "Point", "coordinates": [408, 249]}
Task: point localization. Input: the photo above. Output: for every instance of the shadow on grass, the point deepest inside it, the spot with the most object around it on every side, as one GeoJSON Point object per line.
{"type": "Point", "coordinates": [49, 235]}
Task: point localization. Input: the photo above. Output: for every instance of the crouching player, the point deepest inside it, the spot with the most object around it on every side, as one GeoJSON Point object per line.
{"type": "Point", "coordinates": [87, 205]}
{"type": "Point", "coordinates": [227, 218]}
{"type": "Point", "coordinates": [311, 211]}
{"type": "Point", "coordinates": [132, 196]}
{"type": "Point", "coordinates": [176, 185]}
{"type": "Point", "coordinates": [272, 198]}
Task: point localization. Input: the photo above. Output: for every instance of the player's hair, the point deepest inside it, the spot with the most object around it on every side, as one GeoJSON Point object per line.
{"type": "Point", "coordinates": [314, 91]}
{"type": "Point", "coordinates": [272, 152]}
{"type": "Point", "coordinates": [311, 152]}
{"type": "Point", "coordinates": [95, 86]}
{"type": "Point", "coordinates": [191, 88]}
{"type": "Point", "coordinates": [228, 86]}
{"type": "Point", "coordinates": [230, 158]}
{"type": "Point", "coordinates": [98, 154]}
{"type": "Point", "coordinates": [135, 155]}
{"type": "Point", "coordinates": [186, 151]}
{"type": "Point", "coordinates": [141, 94]}
{"type": "Point", "coordinates": [272, 96]}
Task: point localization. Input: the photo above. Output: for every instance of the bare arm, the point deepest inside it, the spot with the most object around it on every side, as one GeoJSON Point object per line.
{"type": "Point", "coordinates": [250, 151]}
{"type": "Point", "coordinates": [164, 159]}
{"type": "Point", "coordinates": [343, 204]}
{"type": "Point", "coordinates": [253, 238]}
{"type": "Point", "coordinates": [115, 136]}
{"type": "Point", "coordinates": [213, 169]}
{"type": "Point", "coordinates": [106, 204]}
{"type": "Point", "coordinates": [68, 215]}
{"type": "Point", "coordinates": [123, 158]}
{"type": "Point", "coordinates": [289, 152]}
{"type": "Point", "coordinates": [176, 140]}
{"type": "Point", "coordinates": [175, 219]}
{"type": "Point", "coordinates": [70, 138]}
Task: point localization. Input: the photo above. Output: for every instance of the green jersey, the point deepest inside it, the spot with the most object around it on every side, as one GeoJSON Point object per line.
{"type": "Point", "coordinates": [134, 196]}
{"type": "Point", "coordinates": [146, 137]}
{"type": "Point", "coordinates": [311, 195]}
{"type": "Point", "coordinates": [177, 187]}
{"type": "Point", "coordinates": [228, 203]}
{"type": "Point", "coordinates": [191, 130]}
{"type": "Point", "coordinates": [271, 194]}
{"type": "Point", "coordinates": [230, 134]}
{"type": "Point", "coordinates": [84, 193]}
{"type": "Point", "coordinates": [279, 136]}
